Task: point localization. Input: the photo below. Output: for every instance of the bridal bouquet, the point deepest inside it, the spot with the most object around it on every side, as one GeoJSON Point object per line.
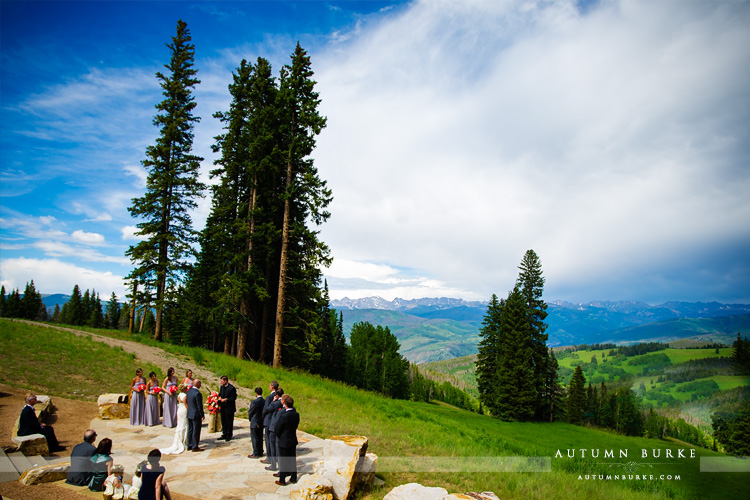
{"type": "Point", "coordinates": [213, 403]}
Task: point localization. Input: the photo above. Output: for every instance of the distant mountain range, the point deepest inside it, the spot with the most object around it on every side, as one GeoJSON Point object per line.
{"type": "Point", "coordinates": [432, 329]}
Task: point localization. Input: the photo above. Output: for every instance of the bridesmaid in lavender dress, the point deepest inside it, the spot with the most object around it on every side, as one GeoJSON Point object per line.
{"type": "Point", "coordinates": [137, 399]}
{"type": "Point", "coordinates": [152, 401]}
{"type": "Point", "coordinates": [170, 401]}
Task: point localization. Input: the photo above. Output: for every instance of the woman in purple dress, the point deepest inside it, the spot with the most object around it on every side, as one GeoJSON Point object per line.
{"type": "Point", "coordinates": [170, 399]}
{"type": "Point", "coordinates": [152, 400]}
{"type": "Point", "coordinates": [138, 399]}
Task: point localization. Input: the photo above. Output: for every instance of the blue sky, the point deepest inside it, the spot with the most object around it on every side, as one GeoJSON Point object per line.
{"type": "Point", "coordinates": [612, 138]}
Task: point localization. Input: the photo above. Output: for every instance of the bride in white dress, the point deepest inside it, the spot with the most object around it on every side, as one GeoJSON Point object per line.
{"type": "Point", "coordinates": [180, 432]}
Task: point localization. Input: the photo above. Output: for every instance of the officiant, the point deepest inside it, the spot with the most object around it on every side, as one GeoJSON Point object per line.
{"type": "Point", "coordinates": [227, 398]}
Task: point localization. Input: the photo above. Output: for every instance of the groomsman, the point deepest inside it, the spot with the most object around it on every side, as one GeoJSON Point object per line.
{"type": "Point", "coordinates": [286, 439]}
{"type": "Point", "coordinates": [195, 416]}
{"type": "Point", "coordinates": [273, 460]}
{"type": "Point", "coordinates": [227, 398]}
{"type": "Point", "coordinates": [255, 415]}
{"type": "Point", "coordinates": [267, 417]}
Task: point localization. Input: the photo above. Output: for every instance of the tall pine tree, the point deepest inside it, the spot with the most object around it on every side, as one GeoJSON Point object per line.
{"type": "Point", "coordinates": [172, 184]}
{"type": "Point", "coordinates": [531, 285]}
{"type": "Point", "coordinates": [305, 195]}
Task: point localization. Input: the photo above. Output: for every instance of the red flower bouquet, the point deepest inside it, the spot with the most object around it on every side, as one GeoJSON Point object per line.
{"type": "Point", "coordinates": [141, 387]}
{"type": "Point", "coordinates": [213, 403]}
{"type": "Point", "coordinates": [157, 390]}
{"type": "Point", "coordinates": [172, 390]}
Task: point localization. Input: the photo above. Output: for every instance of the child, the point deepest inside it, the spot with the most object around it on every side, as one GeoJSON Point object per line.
{"type": "Point", "coordinates": [133, 491]}
{"type": "Point", "coordinates": [112, 487]}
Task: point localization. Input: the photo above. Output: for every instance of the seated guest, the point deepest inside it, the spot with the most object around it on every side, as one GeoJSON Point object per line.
{"type": "Point", "coordinates": [153, 484]}
{"type": "Point", "coordinates": [101, 465]}
{"type": "Point", "coordinates": [80, 460]}
{"type": "Point", "coordinates": [28, 424]}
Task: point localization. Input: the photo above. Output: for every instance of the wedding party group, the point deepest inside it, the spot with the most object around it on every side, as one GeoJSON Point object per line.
{"type": "Point", "coordinates": [273, 417]}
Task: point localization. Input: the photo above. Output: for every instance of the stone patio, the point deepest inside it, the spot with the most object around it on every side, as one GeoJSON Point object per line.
{"type": "Point", "coordinates": [221, 472]}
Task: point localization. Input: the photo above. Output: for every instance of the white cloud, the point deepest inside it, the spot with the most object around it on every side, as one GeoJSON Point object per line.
{"type": "Point", "coordinates": [60, 249]}
{"type": "Point", "coordinates": [54, 276]}
{"type": "Point", "coordinates": [461, 134]}
{"type": "Point", "coordinates": [128, 233]}
{"type": "Point", "coordinates": [87, 238]}
{"type": "Point", "coordinates": [93, 215]}
{"type": "Point", "coordinates": [139, 173]}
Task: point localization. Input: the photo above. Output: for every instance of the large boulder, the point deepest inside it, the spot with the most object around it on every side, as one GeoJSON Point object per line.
{"type": "Point", "coordinates": [346, 464]}
{"type": "Point", "coordinates": [312, 487]}
{"type": "Point", "coordinates": [45, 474]}
{"type": "Point", "coordinates": [415, 491]}
{"type": "Point", "coordinates": [113, 406]}
{"type": "Point", "coordinates": [33, 444]}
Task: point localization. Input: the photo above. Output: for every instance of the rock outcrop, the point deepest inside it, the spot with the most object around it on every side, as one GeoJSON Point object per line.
{"type": "Point", "coordinates": [415, 491]}
{"type": "Point", "coordinates": [345, 467]}
{"type": "Point", "coordinates": [45, 474]}
{"type": "Point", "coordinates": [113, 406]}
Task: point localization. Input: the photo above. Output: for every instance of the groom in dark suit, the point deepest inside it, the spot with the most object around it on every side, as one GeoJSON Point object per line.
{"type": "Point", "coordinates": [227, 398]}
{"type": "Point", "coordinates": [194, 415]}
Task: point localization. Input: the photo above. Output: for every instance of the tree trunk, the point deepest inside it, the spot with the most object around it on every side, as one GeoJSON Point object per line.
{"type": "Point", "coordinates": [282, 271]}
{"type": "Point", "coordinates": [131, 323]}
{"type": "Point", "coordinates": [245, 301]}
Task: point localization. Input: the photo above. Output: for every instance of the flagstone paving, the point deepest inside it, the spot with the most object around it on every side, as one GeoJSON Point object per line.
{"type": "Point", "coordinates": [221, 472]}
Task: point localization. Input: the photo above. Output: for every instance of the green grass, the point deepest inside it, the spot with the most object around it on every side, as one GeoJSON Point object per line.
{"type": "Point", "coordinates": [52, 361]}
{"type": "Point", "coordinates": [401, 428]}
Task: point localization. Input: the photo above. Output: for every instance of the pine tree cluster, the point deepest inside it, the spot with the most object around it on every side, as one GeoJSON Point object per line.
{"type": "Point", "coordinates": [516, 373]}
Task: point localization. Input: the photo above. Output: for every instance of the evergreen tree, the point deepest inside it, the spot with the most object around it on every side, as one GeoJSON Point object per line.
{"type": "Point", "coordinates": [96, 317]}
{"type": "Point", "coordinates": [31, 303]}
{"type": "Point", "coordinates": [112, 316]}
{"type": "Point", "coordinates": [305, 195]}
{"type": "Point", "coordinates": [531, 284]}
{"type": "Point", "coordinates": [74, 312]}
{"type": "Point", "coordinates": [124, 320]}
{"type": "Point", "coordinates": [741, 354]}
{"type": "Point", "coordinates": [172, 183]}
{"type": "Point", "coordinates": [374, 362]}
{"type": "Point", "coordinates": [516, 395]}
{"type": "Point", "coordinates": [554, 392]}
{"type": "Point", "coordinates": [577, 397]}
{"type": "Point", "coordinates": [488, 357]}
{"type": "Point", "coordinates": [13, 305]}
{"type": "Point", "coordinates": [2, 301]}
{"type": "Point", "coordinates": [56, 314]}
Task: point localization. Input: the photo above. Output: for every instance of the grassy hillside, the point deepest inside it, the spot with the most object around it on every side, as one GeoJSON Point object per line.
{"type": "Point", "coordinates": [423, 338]}
{"type": "Point", "coordinates": [405, 429]}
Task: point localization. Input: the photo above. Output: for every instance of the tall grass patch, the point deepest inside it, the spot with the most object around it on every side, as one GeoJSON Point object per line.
{"type": "Point", "coordinates": [52, 361]}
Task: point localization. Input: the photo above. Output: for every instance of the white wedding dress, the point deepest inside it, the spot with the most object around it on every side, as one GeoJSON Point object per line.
{"type": "Point", "coordinates": [180, 432]}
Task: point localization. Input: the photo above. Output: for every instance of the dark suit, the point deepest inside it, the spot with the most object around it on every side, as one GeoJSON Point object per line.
{"type": "Point", "coordinates": [267, 421]}
{"type": "Point", "coordinates": [80, 464]}
{"type": "Point", "coordinates": [286, 439]}
{"type": "Point", "coordinates": [255, 415]}
{"type": "Point", "coordinates": [227, 410]}
{"type": "Point", "coordinates": [194, 416]}
{"type": "Point", "coordinates": [28, 424]}
{"type": "Point", "coordinates": [275, 410]}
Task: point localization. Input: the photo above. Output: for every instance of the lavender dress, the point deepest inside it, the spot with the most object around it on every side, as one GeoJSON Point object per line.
{"type": "Point", "coordinates": [170, 405]}
{"type": "Point", "coordinates": [138, 406]}
{"type": "Point", "coordinates": [152, 409]}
